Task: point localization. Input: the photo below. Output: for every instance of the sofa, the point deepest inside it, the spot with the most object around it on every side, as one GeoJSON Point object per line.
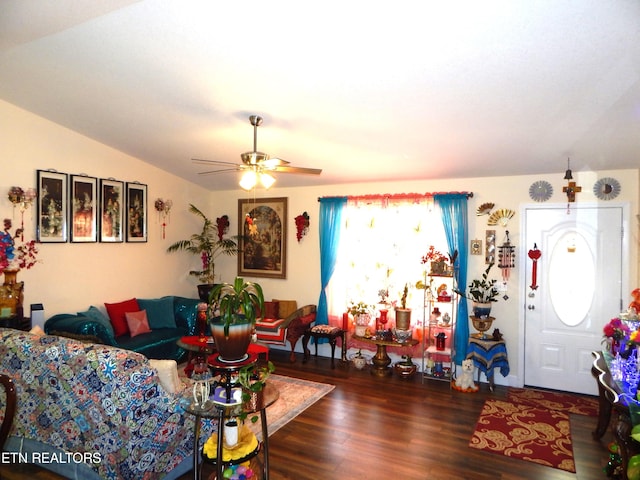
{"type": "Point", "coordinates": [147, 326]}
{"type": "Point", "coordinates": [282, 321]}
{"type": "Point", "coordinates": [90, 411]}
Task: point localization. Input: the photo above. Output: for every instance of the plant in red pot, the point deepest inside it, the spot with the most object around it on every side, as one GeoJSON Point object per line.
{"type": "Point", "coordinates": [233, 309]}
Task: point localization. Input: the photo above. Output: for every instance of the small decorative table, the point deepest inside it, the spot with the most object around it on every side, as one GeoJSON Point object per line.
{"type": "Point", "coordinates": [381, 359]}
{"type": "Point", "coordinates": [488, 354]}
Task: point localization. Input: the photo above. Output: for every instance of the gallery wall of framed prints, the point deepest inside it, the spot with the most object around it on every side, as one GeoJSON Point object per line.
{"type": "Point", "coordinates": [85, 209]}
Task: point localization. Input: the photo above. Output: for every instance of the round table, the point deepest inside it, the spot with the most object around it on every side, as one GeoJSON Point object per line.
{"type": "Point", "coordinates": [381, 359]}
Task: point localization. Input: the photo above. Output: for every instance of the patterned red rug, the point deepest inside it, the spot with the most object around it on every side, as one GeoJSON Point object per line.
{"type": "Point", "coordinates": [526, 432]}
{"type": "Point", "coordinates": [564, 402]}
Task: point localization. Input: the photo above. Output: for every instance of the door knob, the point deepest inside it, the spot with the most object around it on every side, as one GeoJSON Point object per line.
{"type": "Point", "coordinates": [531, 307]}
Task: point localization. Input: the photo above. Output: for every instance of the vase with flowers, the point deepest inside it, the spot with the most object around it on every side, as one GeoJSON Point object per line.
{"type": "Point", "coordinates": [13, 258]}
{"type": "Point", "coordinates": [614, 333]}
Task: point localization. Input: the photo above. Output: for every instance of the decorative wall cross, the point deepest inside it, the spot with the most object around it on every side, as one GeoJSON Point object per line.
{"type": "Point", "coordinates": [571, 189]}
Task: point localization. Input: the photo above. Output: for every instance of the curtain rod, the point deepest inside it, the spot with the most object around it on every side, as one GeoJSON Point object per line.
{"type": "Point", "coordinates": [398, 196]}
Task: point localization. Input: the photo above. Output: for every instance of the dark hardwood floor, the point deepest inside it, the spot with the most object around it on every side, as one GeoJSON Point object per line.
{"type": "Point", "coordinates": [370, 428]}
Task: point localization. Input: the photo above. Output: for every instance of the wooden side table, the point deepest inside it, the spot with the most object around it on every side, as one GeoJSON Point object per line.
{"type": "Point", "coordinates": [381, 359]}
{"type": "Point", "coordinates": [488, 354]}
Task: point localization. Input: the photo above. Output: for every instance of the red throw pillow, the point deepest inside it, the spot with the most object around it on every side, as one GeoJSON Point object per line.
{"type": "Point", "coordinates": [137, 322]}
{"type": "Point", "coordinates": [116, 313]}
{"type": "Point", "coordinates": [271, 310]}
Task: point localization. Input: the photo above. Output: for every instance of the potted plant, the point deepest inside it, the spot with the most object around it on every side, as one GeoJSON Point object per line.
{"type": "Point", "coordinates": [253, 379]}
{"type": "Point", "coordinates": [482, 292]}
{"type": "Point", "coordinates": [403, 314]}
{"type": "Point", "coordinates": [237, 306]}
{"type": "Point", "coordinates": [405, 368]}
{"type": "Point", "coordinates": [209, 244]}
{"type": "Point", "coordinates": [361, 313]}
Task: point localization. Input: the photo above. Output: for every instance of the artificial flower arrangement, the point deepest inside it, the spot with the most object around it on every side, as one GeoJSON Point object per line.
{"type": "Point", "coordinates": [302, 225]}
{"type": "Point", "coordinates": [12, 257]}
{"type": "Point", "coordinates": [360, 308]}
{"type": "Point", "coordinates": [615, 329]}
{"type": "Point", "coordinates": [434, 255]}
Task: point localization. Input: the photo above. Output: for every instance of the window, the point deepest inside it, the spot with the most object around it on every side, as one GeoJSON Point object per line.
{"type": "Point", "coordinates": [381, 247]}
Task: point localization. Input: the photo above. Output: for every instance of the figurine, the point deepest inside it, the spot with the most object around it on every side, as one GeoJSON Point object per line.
{"type": "Point", "coordinates": [497, 336]}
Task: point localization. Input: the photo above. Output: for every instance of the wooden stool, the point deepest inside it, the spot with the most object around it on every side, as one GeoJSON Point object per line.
{"type": "Point", "coordinates": [322, 331]}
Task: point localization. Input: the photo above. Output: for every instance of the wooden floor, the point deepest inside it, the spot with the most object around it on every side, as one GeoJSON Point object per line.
{"type": "Point", "coordinates": [370, 428]}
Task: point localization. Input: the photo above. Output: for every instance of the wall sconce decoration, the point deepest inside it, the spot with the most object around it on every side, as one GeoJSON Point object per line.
{"type": "Point", "coordinates": [302, 225]}
{"type": "Point", "coordinates": [22, 199]}
{"type": "Point", "coordinates": [223, 225]}
{"type": "Point", "coordinates": [163, 207]}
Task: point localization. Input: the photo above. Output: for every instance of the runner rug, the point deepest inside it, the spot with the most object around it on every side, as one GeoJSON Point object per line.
{"type": "Point", "coordinates": [527, 432]}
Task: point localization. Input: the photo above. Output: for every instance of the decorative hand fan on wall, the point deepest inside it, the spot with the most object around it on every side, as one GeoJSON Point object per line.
{"type": "Point", "coordinates": [256, 166]}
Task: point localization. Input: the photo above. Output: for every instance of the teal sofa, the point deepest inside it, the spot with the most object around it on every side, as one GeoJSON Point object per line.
{"type": "Point", "coordinates": [170, 318]}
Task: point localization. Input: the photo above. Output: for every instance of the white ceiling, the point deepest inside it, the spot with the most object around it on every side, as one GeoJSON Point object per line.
{"type": "Point", "coordinates": [366, 91]}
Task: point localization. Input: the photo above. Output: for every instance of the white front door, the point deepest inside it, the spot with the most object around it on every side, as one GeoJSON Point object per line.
{"type": "Point", "coordinates": [581, 287]}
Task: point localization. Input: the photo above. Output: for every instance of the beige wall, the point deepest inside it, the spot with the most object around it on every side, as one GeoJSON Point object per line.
{"type": "Point", "coordinates": [71, 277]}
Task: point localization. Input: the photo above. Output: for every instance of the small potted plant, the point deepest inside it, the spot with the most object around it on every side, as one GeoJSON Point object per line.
{"type": "Point", "coordinates": [403, 314]}
{"type": "Point", "coordinates": [238, 305]}
{"type": "Point", "coordinates": [438, 261]}
{"type": "Point", "coordinates": [361, 313]}
{"type": "Point", "coordinates": [405, 368]}
{"type": "Point", "coordinates": [359, 360]}
{"type": "Point", "coordinates": [253, 379]}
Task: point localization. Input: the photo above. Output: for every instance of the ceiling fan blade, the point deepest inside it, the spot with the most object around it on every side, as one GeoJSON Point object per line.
{"type": "Point", "coordinates": [274, 162]}
{"type": "Point", "coordinates": [224, 170]}
{"type": "Point", "coordinates": [209, 162]}
{"type": "Point", "coordinates": [300, 170]}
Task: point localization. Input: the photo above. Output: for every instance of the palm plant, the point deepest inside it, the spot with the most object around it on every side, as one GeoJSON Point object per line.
{"type": "Point", "coordinates": [208, 243]}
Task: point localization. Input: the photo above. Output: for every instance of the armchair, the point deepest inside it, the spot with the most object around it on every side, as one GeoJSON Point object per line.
{"type": "Point", "coordinates": [278, 331]}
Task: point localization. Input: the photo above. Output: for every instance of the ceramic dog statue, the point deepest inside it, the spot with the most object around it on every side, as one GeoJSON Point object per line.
{"type": "Point", "coordinates": [465, 382]}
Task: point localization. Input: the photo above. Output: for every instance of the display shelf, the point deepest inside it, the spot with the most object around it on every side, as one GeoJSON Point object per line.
{"type": "Point", "coordinates": [437, 335]}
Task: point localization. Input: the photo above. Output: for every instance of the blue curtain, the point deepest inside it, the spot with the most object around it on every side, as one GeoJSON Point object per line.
{"type": "Point", "coordinates": [330, 226]}
{"type": "Point", "coordinates": [454, 217]}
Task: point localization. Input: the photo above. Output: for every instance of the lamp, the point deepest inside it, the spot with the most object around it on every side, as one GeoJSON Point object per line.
{"type": "Point", "coordinates": [251, 177]}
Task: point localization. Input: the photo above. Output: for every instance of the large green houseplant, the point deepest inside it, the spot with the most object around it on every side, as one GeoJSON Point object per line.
{"type": "Point", "coordinates": [209, 244]}
{"type": "Point", "coordinates": [233, 309]}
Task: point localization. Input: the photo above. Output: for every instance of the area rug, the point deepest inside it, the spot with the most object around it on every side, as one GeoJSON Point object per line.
{"type": "Point", "coordinates": [526, 432]}
{"type": "Point", "coordinates": [565, 402]}
{"type": "Point", "coordinates": [296, 395]}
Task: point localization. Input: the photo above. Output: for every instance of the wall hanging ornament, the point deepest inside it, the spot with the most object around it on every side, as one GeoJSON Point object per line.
{"type": "Point", "coordinates": [163, 207]}
{"type": "Point", "coordinates": [302, 225]}
{"type": "Point", "coordinates": [22, 199]}
{"type": "Point", "coordinates": [534, 255]}
{"type": "Point", "coordinates": [572, 188]}
{"type": "Point", "coordinates": [223, 225]}
{"type": "Point", "coordinates": [506, 261]}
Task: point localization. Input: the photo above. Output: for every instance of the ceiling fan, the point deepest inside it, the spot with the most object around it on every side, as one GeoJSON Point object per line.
{"type": "Point", "coordinates": [255, 165]}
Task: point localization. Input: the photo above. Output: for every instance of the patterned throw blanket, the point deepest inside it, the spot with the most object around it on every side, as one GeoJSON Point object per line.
{"type": "Point", "coordinates": [97, 403]}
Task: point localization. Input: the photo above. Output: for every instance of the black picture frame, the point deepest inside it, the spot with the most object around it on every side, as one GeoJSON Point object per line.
{"type": "Point", "coordinates": [111, 210]}
{"type": "Point", "coordinates": [136, 225]}
{"type": "Point", "coordinates": [83, 201]}
{"type": "Point", "coordinates": [52, 206]}
{"type": "Point", "coordinates": [262, 237]}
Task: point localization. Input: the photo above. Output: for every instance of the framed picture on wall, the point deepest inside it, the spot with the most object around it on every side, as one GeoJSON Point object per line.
{"type": "Point", "coordinates": [83, 224]}
{"type": "Point", "coordinates": [136, 212]}
{"type": "Point", "coordinates": [111, 208]}
{"type": "Point", "coordinates": [52, 206]}
{"type": "Point", "coordinates": [262, 237]}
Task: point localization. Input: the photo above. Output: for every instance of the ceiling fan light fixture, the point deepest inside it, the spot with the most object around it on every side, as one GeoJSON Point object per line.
{"type": "Point", "coordinates": [248, 180]}
{"type": "Point", "coordinates": [267, 180]}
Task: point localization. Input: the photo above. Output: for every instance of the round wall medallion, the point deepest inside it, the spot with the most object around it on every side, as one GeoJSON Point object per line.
{"type": "Point", "coordinates": [540, 191]}
{"type": "Point", "coordinates": [606, 188]}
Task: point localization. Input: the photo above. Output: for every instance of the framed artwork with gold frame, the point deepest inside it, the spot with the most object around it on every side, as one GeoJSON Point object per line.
{"type": "Point", "coordinates": [262, 237]}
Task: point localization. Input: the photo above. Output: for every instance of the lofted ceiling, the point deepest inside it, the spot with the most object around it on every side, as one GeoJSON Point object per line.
{"type": "Point", "coordinates": [366, 91]}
